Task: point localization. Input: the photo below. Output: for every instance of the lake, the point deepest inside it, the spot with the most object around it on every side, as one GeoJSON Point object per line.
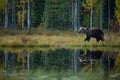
{"type": "Point", "coordinates": [59, 63]}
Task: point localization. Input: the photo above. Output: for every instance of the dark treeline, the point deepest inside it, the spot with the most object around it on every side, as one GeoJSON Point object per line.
{"type": "Point", "coordinates": [59, 14]}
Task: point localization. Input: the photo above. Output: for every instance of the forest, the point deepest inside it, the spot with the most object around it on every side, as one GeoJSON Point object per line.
{"type": "Point", "coordinates": [57, 18]}
{"type": "Point", "coordinates": [59, 39]}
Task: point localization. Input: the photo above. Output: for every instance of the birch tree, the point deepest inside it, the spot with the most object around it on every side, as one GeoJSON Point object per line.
{"type": "Point", "coordinates": [13, 15]}
{"type": "Point", "coordinates": [101, 14]}
{"type": "Point", "coordinates": [28, 16]}
{"type": "Point", "coordinates": [6, 14]}
{"type": "Point", "coordinates": [75, 14]}
{"type": "Point", "coordinates": [91, 14]}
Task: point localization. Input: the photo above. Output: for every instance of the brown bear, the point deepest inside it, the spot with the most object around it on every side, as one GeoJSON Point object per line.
{"type": "Point", "coordinates": [94, 32]}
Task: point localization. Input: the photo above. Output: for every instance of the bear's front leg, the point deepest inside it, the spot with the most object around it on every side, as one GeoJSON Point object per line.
{"type": "Point", "coordinates": [87, 38]}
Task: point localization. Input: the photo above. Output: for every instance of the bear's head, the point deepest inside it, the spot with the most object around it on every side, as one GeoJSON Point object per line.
{"type": "Point", "coordinates": [82, 30]}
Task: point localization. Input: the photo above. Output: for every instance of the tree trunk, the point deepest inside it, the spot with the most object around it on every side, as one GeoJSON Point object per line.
{"type": "Point", "coordinates": [45, 16]}
{"type": "Point", "coordinates": [75, 15]}
{"type": "Point", "coordinates": [13, 59]}
{"type": "Point", "coordinates": [23, 8]}
{"type": "Point", "coordinates": [28, 20]}
{"type": "Point", "coordinates": [13, 15]}
{"type": "Point", "coordinates": [6, 14]}
{"type": "Point", "coordinates": [91, 16]}
{"type": "Point", "coordinates": [108, 16]}
{"type": "Point", "coordinates": [28, 61]}
{"type": "Point", "coordinates": [119, 28]}
{"type": "Point", "coordinates": [75, 60]}
{"type": "Point", "coordinates": [101, 14]}
{"type": "Point", "coordinates": [78, 14]}
{"type": "Point", "coordinates": [6, 59]}
{"type": "Point", "coordinates": [108, 57]}
{"type": "Point", "coordinates": [23, 61]}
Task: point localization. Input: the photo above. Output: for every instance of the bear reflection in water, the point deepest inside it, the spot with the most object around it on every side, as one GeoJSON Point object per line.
{"type": "Point", "coordinates": [90, 55]}
{"type": "Point", "coordinates": [106, 58]}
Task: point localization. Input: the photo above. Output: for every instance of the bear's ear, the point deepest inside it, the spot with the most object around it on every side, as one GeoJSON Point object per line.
{"type": "Point", "coordinates": [80, 30]}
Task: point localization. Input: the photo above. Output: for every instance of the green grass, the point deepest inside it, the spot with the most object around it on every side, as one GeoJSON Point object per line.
{"type": "Point", "coordinates": [57, 39]}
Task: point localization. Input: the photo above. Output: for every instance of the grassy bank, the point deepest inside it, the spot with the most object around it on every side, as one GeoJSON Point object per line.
{"type": "Point", "coordinates": [66, 38]}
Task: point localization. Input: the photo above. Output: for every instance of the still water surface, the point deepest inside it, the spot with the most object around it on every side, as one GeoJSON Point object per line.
{"type": "Point", "coordinates": [60, 64]}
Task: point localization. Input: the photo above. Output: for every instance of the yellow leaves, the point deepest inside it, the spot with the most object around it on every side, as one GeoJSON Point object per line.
{"type": "Point", "coordinates": [117, 63]}
{"type": "Point", "coordinates": [23, 1]}
{"type": "Point", "coordinates": [19, 17]}
{"type": "Point", "coordinates": [117, 3]}
{"type": "Point", "coordinates": [117, 14]}
{"type": "Point", "coordinates": [2, 5]}
{"type": "Point", "coordinates": [87, 4]}
{"type": "Point", "coordinates": [117, 10]}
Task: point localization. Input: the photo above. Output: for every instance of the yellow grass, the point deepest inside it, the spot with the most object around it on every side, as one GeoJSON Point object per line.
{"type": "Point", "coordinates": [62, 39]}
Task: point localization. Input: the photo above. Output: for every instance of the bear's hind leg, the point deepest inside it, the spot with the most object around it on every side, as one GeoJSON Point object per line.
{"type": "Point", "coordinates": [98, 39]}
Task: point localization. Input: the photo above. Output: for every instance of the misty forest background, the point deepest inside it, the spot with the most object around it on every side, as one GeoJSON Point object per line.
{"type": "Point", "coordinates": [59, 14]}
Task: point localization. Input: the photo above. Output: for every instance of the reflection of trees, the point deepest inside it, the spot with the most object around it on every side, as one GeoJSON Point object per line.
{"type": "Point", "coordinates": [60, 59]}
{"type": "Point", "coordinates": [37, 58]}
{"type": "Point", "coordinates": [117, 63]}
{"type": "Point", "coordinates": [1, 58]}
{"type": "Point", "coordinates": [52, 59]}
{"type": "Point", "coordinates": [6, 60]}
{"type": "Point", "coordinates": [97, 58]}
{"type": "Point", "coordinates": [10, 60]}
{"type": "Point", "coordinates": [117, 67]}
{"type": "Point", "coordinates": [75, 64]}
